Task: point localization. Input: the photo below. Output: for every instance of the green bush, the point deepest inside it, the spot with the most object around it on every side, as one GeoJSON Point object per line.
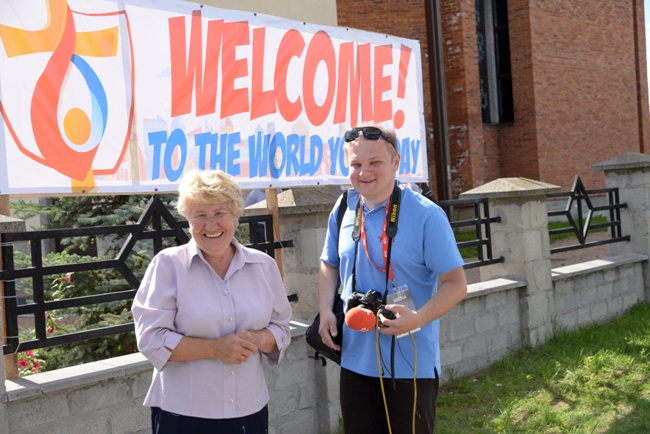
{"type": "Point", "coordinates": [78, 212]}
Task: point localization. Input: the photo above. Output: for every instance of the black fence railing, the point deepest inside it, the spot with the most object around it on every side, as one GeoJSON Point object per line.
{"type": "Point", "coordinates": [479, 225]}
{"type": "Point", "coordinates": [157, 228]}
{"type": "Point", "coordinates": [160, 229]}
{"type": "Point", "coordinates": [579, 212]}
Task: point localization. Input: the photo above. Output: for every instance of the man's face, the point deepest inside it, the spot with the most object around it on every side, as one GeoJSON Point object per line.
{"type": "Point", "coordinates": [373, 168]}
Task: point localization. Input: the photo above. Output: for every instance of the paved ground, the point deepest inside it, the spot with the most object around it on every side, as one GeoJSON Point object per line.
{"type": "Point", "coordinates": [581, 255]}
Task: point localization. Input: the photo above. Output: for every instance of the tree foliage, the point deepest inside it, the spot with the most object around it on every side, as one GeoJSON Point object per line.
{"type": "Point", "coordinates": [79, 212]}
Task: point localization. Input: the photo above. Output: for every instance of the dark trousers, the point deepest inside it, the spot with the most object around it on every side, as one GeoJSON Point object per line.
{"type": "Point", "coordinates": [164, 422]}
{"type": "Point", "coordinates": [362, 405]}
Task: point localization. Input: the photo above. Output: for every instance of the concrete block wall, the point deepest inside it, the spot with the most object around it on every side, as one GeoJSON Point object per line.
{"type": "Point", "coordinates": [522, 239]}
{"type": "Point", "coordinates": [630, 173]}
{"type": "Point", "coordinates": [482, 329]}
{"type": "Point", "coordinates": [106, 396]}
{"type": "Point", "coordinates": [597, 291]}
{"type": "Point", "coordinates": [99, 397]}
{"type": "Point", "coordinates": [517, 303]}
{"type": "Point", "coordinates": [303, 393]}
{"type": "Point", "coordinates": [303, 213]}
{"type": "Point", "coordinates": [489, 324]}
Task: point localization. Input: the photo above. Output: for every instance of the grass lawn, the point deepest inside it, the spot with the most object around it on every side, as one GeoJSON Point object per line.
{"type": "Point", "coordinates": [595, 380]}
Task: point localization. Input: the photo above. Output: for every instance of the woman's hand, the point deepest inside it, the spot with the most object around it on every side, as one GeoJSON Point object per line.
{"type": "Point", "coordinates": [234, 349]}
{"type": "Point", "coordinates": [262, 339]}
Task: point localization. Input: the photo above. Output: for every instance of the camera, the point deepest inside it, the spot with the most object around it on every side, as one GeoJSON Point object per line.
{"type": "Point", "coordinates": [372, 301]}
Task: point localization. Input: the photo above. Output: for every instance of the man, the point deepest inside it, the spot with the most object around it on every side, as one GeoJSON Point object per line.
{"type": "Point", "coordinates": [419, 274]}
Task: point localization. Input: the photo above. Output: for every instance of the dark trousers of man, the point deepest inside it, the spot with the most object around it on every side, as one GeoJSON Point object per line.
{"type": "Point", "coordinates": [362, 405]}
{"type": "Point", "coordinates": [164, 422]}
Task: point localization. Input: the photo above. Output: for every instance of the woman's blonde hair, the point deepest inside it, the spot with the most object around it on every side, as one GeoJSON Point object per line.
{"type": "Point", "coordinates": [212, 186]}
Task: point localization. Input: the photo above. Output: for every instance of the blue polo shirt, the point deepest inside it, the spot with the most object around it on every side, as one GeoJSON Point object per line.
{"type": "Point", "coordinates": [423, 249]}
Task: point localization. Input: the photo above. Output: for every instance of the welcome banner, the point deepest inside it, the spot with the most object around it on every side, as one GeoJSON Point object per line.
{"type": "Point", "coordinates": [125, 96]}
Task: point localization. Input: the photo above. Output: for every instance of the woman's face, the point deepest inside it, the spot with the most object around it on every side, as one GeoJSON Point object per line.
{"type": "Point", "coordinates": [213, 227]}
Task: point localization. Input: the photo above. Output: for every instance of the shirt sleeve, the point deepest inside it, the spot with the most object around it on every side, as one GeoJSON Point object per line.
{"type": "Point", "coordinates": [154, 312]}
{"type": "Point", "coordinates": [330, 253]}
{"type": "Point", "coordinates": [280, 317]}
{"type": "Point", "coordinates": [440, 249]}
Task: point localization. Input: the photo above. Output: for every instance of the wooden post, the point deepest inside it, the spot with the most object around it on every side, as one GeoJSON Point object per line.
{"type": "Point", "coordinates": [274, 210]}
{"type": "Point", "coordinates": [11, 360]}
{"type": "Point", "coordinates": [4, 204]}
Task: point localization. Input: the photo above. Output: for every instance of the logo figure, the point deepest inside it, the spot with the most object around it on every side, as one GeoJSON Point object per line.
{"type": "Point", "coordinates": [84, 65]}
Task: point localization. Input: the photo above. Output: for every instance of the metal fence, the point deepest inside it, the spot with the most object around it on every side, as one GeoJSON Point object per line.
{"type": "Point", "coordinates": [579, 212]}
{"type": "Point", "coordinates": [478, 226]}
{"type": "Point", "coordinates": [157, 227]}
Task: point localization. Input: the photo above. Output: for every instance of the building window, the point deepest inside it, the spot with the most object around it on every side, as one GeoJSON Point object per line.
{"type": "Point", "coordinates": [494, 61]}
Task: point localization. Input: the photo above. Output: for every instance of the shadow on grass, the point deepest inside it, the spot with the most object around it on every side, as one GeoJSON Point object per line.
{"type": "Point", "coordinates": [636, 421]}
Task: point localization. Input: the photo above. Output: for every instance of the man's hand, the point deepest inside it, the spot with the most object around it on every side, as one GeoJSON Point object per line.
{"type": "Point", "coordinates": [406, 320]}
{"type": "Point", "coordinates": [452, 288]}
{"type": "Point", "coordinates": [327, 329]}
{"type": "Point", "coordinates": [327, 283]}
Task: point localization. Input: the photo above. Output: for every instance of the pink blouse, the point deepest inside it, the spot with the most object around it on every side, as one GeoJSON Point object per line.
{"type": "Point", "coordinates": [181, 295]}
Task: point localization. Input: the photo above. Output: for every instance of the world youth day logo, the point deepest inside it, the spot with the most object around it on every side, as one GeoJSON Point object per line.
{"type": "Point", "coordinates": [67, 84]}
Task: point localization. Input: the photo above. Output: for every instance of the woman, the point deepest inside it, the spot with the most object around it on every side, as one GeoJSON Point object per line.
{"type": "Point", "coordinates": [206, 314]}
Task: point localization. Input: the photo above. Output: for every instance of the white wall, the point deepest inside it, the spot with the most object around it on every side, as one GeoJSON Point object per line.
{"type": "Point", "coordinates": [310, 11]}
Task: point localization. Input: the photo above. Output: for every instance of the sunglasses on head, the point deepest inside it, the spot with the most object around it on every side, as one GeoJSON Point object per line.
{"type": "Point", "coordinates": [370, 133]}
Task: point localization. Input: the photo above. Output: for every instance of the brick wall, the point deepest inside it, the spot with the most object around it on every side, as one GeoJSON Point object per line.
{"type": "Point", "coordinates": [579, 82]}
{"type": "Point", "coordinates": [499, 315]}
{"type": "Point", "coordinates": [405, 18]}
{"type": "Point", "coordinates": [585, 81]}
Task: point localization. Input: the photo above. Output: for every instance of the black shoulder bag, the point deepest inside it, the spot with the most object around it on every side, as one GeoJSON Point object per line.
{"type": "Point", "coordinates": [313, 337]}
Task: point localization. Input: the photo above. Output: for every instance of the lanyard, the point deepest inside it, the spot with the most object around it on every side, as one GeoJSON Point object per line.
{"type": "Point", "coordinates": [388, 233]}
{"type": "Point", "coordinates": [384, 245]}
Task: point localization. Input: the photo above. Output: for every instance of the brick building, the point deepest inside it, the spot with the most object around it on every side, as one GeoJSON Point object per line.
{"type": "Point", "coordinates": [539, 89]}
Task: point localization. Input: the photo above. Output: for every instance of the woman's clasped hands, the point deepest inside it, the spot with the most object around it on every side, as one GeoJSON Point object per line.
{"type": "Point", "coordinates": [235, 349]}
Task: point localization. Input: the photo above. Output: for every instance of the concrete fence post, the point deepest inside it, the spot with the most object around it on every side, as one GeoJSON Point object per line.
{"type": "Point", "coordinates": [630, 173]}
{"type": "Point", "coordinates": [304, 214]}
{"type": "Point", "coordinates": [303, 219]}
{"type": "Point", "coordinates": [522, 239]}
{"type": "Point", "coordinates": [7, 224]}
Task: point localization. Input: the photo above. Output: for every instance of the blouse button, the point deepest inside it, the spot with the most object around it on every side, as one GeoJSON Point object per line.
{"type": "Point", "coordinates": [225, 292]}
{"type": "Point", "coordinates": [230, 401]}
{"type": "Point", "coordinates": [232, 372]}
{"type": "Point", "coordinates": [229, 319]}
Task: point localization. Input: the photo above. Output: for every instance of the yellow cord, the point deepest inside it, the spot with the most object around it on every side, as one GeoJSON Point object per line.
{"type": "Point", "coordinates": [381, 378]}
{"type": "Point", "coordinates": [415, 383]}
